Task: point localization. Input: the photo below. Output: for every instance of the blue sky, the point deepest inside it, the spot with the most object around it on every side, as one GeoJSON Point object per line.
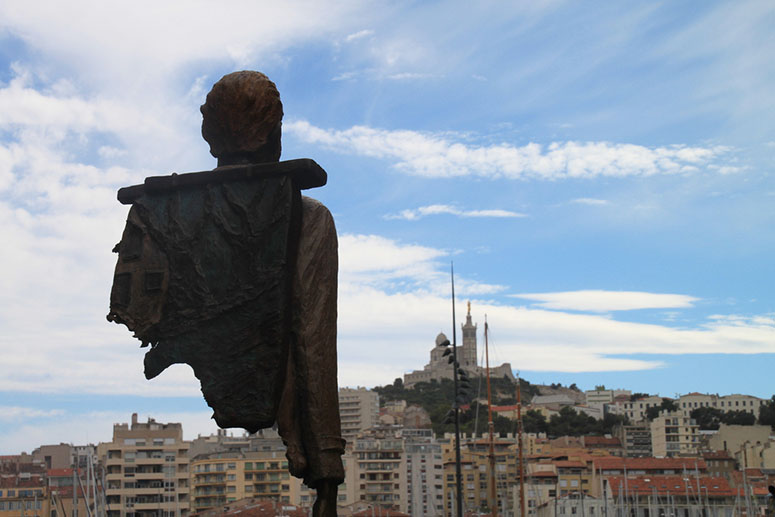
{"type": "Point", "coordinates": [600, 174]}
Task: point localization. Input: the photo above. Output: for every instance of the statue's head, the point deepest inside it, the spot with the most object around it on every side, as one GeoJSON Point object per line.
{"type": "Point", "coordinates": [242, 118]}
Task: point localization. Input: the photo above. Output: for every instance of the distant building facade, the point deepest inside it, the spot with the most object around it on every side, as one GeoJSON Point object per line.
{"type": "Point", "coordinates": [726, 403]}
{"type": "Point", "coordinates": [379, 463]}
{"type": "Point", "coordinates": [635, 439]}
{"type": "Point", "coordinates": [146, 470]}
{"type": "Point", "coordinates": [673, 434]}
{"type": "Point", "coordinates": [635, 410]}
{"type": "Point", "coordinates": [358, 410]}
{"type": "Point", "coordinates": [424, 473]}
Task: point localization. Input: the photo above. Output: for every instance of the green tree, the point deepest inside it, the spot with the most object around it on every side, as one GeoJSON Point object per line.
{"type": "Point", "coordinates": [708, 418]}
{"type": "Point", "coordinates": [738, 418]}
{"type": "Point", "coordinates": [767, 413]}
{"type": "Point", "coordinates": [666, 405]}
{"type": "Point", "coordinates": [568, 422]}
{"type": "Point", "coordinates": [610, 421]}
{"type": "Point", "coordinates": [534, 422]}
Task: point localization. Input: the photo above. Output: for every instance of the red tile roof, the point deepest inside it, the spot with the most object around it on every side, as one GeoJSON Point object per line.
{"type": "Point", "coordinates": [601, 440]}
{"type": "Point", "coordinates": [258, 508]}
{"type": "Point", "coordinates": [644, 485]}
{"type": "Point", "coordinates": [716, 455]}
{"type": "Point", "coordinates": [380, 512]}
{"type": "Point", "coordinates": [570, 464]}
{"type": "Point", "coordinates": [542, 474]}
{"type": "Point", "coordinates": [505, 408]}
{"type": "Point", "coordinates": [15, 482]}
{"type": "Point", "coordinates": [617, 463]}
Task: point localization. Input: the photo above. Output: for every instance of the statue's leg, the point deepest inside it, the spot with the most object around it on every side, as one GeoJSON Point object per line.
{"type": "Point", "coordinates": [315, 292]}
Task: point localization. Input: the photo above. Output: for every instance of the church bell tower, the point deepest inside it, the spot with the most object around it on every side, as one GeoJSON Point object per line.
{"type": "Point", "coordinates": [468, 350]}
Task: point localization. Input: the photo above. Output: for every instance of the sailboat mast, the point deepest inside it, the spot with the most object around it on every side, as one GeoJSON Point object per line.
{"type": "Point", "coordinates": [458, 470]}
{"type": "Point", "coordinates": [493, 503]}
{"type": "Point", "coordinates": [519, 447]}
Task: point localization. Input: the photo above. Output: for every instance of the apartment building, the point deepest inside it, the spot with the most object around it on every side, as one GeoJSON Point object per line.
{"type": "Point", "coordinates": [635, 439]}
{"type": "Point", "coordinates": [223, 477]}
{"type": "Point", "coordinates": [603, 396]}
{"type": "Point", "coordinates": [475, 470]}
{"type": "Point", "coordinates": [147, 470]}
{"type": "Point", "coordinates": [673, 434]}
{"type": "Point", "coordinates": [424, 473]}
{"type": "Point", "coordinates": [736, 402]}
{"type": "Point", "coordinates": [635, 410]}
{"type": "Point", "coordinates": [23, 489]}
{"type": "Point", "coordinates": [380, 469]}
{"type": "Point", "coordinates": [732, 438]}
{"type": "Point", "coordinates": [358, 410]}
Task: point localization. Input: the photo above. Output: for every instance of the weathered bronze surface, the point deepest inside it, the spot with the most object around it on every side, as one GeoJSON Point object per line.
{"type": "Point", "coordinates": [233, 272]}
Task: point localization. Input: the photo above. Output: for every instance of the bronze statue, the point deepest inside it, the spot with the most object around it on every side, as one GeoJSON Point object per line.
{"type": "Point", "coordinates": [233, 272]}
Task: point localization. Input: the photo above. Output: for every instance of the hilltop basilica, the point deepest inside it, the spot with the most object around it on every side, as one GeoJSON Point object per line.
{"type": "Point", "coordinates": [439, 367]}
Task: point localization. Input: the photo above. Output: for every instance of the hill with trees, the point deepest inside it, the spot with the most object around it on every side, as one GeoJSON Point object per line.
{"type": "Point", "coordinates": [436, 398]}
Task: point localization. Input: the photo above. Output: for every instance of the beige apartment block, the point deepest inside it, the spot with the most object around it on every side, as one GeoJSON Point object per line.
{"type": "Point", "coordinates": [220, 478]}
{"type": "Point", "coordinates": [635, 439]}
{"type": "Point", "coordinates": [475, 471]}
{"type": "Point", "coordinates": [424, 473]}
{"type": "Point", "coordinates": [635, 410]}
{"type": "Point", "coordinates": [380, 470]}
{"type": "Point", "coordinates": [146, 470]}
{"type": "Point", "coordinates": [358, 410]}
{"type": "Point", "coordinates": [736, 402]}
{"type": "Point", "coordinates": [673, 434]}
{"type": "Point", "coordinates": [733, 438]}
{"type": "Point", "coordinates": [603, 396]}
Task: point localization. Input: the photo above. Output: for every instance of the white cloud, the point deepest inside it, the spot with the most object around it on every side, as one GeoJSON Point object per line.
{"type": "Point", "coordinates": [129, 45]}
{"type": "Point", "coordinates": [396, 331]}
{"type": "Point", "coordinates": [423, 211]}
{"type": "Point", "coordinates": [590, 201]}
{"type": "Point", "coordinates": [434, 155]}
{"type": "Point", "coordinates": [606, 301]}
{"type": "Point", "coordinates": [359, 35]}
{"type": "Point", "coordinates": [403, 76]}
{"type": "Point", "coordinates": [11, 413]}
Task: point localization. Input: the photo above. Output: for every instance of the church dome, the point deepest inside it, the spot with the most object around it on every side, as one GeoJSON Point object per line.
{"type": "Point", "coordinates": [441, 338]}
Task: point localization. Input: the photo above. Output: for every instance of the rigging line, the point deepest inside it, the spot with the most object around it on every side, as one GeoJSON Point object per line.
{"type": "Point", "coordinates": [478, 398]}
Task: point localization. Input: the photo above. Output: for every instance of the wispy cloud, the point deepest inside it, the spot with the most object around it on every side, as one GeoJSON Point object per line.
{"type": "Point", "coordinates": [413, 214]}
{"type": "Point", "coordinates": [607, 301]}
{"type": "Point", "coordinates": [359, 35]}
{"type": "Point", "coordinates": [11, 413]}
{"type": "Point", "coordinates": [405, 76]}
{"type": "Point", "coordinates": [434, 155]}
{"type": "Point", "coordinates": [590, 201]}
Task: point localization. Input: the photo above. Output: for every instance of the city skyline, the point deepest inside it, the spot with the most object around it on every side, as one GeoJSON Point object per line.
{"type": "Point", "coordinates": [599, 174]}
